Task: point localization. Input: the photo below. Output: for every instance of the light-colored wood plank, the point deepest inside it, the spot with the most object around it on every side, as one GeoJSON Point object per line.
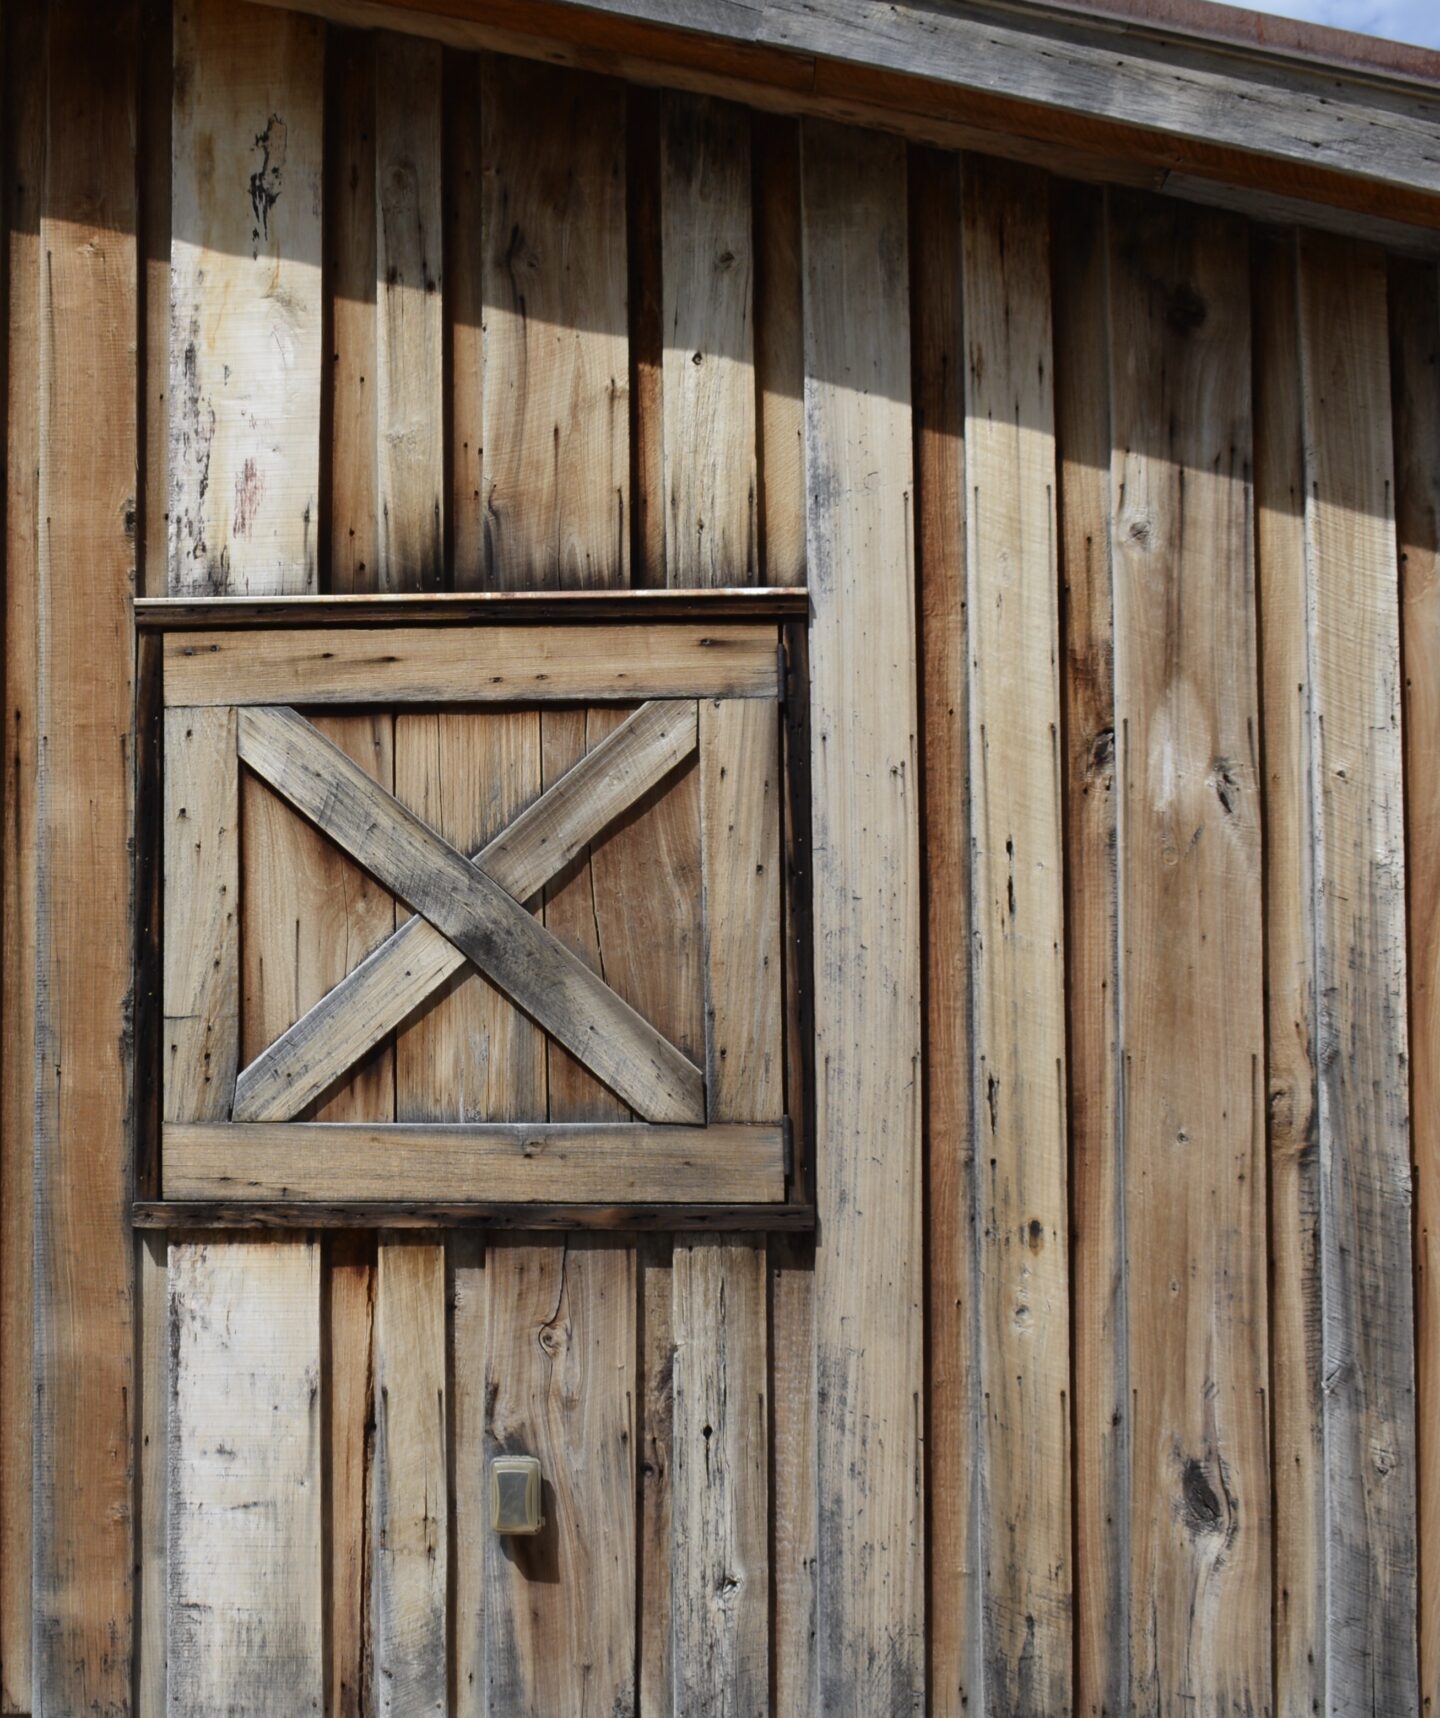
{"type": "Point", "coordinates": [646, 291]}
{"type": "Point", "coordinates": [245, 1621]}
{"type": "Point", "coordinates": [349, 213]}
{"type": "Point", "coordinates": [411, 966]}
{"type": "Point", "coordinates": [709, 475]}
{"type": "Point", "coordinates": [83, 1389]}
{"type": "Point", "coordinates": [411, 1485]}
{"type": "Point", "coordinates": [779, 347]}
{"type": "Point", "coordinates": [464, 311]}
{"type": "Point", "coordinates": [559, 1384]}
{"type": "Point", "coordinates": [556, 408]}
{"type": "Point", "coordinates": [655, 1527]}
{"type": "Point", "coordinates": [1102, 1410]}
{"type": "Point", "coordinates": [24, 154]}
{"type": "Point", "coordinates": [720, 1573]}
{"type": "Point", "coordinates": [484, 922]}
{"type": "Point", "coordinates": [1192, 1001]}
{"type": "Point", "coordinates": [471, 1476]}
{"type": "Point", "coordinates": [202, 913]}
{"type": "Point", "coordinates": [347, 1286]}
{"type": "Point", "coordinates": [1297, 1432]}
{"type": "Point", "coordinates": [157, 77]}
{"type": "Point", "coordinates": [409, 324]}
{"type": "Point", "coordinates": [153, 1460]}
{"type": "Point", "coordinates": [542, 1162]}
{"type": "Point", "coordinates": [245, 333]}
{"type": "Point", "coordinates": [1415, 350]}
{"type": "Point", "coordinates": [935, 225]}
{"type": "Point", "coordinates": [1017, 934]}
{"type": "Point", "coordinates": [527, 665]}
{"type": "Point", "coordinates": [1366, 1352]}
{"type": "Point", "coordinates": [740, 835]}
{"type": "Point", "coordinates": [870, 1610]}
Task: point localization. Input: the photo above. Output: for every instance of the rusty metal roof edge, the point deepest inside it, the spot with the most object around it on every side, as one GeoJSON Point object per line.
{"type": "Point", "coordinates": [1261, 34]}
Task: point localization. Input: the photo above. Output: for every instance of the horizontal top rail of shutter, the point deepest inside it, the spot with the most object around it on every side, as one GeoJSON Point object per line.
{"type": "Point", "coordinates": [471, 665]}
{"type": "Point", "coordinates": [740, 605]}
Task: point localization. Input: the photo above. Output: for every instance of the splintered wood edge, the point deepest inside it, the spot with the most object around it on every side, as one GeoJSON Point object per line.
{"type": "Point", "coordinates": [760, 604]}
{"type": "Point", "coordinates": [190, 1214]}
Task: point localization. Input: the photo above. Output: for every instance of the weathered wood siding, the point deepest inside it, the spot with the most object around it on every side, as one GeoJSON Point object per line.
{"type": "Point", "coordinates": [1109, 1382]}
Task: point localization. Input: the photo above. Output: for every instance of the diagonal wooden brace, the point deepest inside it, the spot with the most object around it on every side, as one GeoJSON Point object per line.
{"type": "Point", "coordinates": [478, 916]}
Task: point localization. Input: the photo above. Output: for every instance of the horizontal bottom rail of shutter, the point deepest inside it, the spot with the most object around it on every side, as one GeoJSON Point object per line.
{"type": "Point", "coordinates": [496, 1163]}
{"type": "Point", "coordinates": [194, 1214]}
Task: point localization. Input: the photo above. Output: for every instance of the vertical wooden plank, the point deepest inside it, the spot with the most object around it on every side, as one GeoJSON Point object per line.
{"type": "Point", "coordinates": [720, 1460]}
{"type": "Point", "coordinates": [84, 1332]}
{"type": "Point", "coordinates": [1367, 1357]}
{"type": "Point", "coordinates": [1297, 1434]}
{"type": "Point", "coordinates": [411, 1501]}
{"type": "Point", "coordinates": [349, 453]}
{"type": "Point", "coordinates": [464, 310]}
{"type": "Point", "coordinates": [347, 1361]}
{"type": "Point", "coordinates": [156, 79]}
{"type": "Point", "coordinates": [709, 471]}
{"type": "Point", "coordinates": [409, 332]}
{"type": "Point", "coordinates": [202, 896]}
{"type": "Point", "coordinates": [556, 409]}
{"type": "Point", "coordinates": [1017, 975]}
{"type": "Point", "coordinates": [656, 1345]}
{"type": "Point", "coordinates": [245, 335]}
{"type": "Point", "coordinates": [1415, 379]}
{"type": "Point", "coordinates": [24, 158]}
{"type": "Point", "coordinates": [1102, 1408]}
{"type": "Point", "coordinates": [870, 1610]}
{"type": "Point", "coordinates": [153, 1420]}
{"type": "Point", "coordinates": [779, 347]}
{"type": "Point", "coordinates": [245, 1612]}
{"type": "Point", "coordinates": [410, 1491]}
{"type": "Point", "coordinates": [939, 382]}
{"type": "Point", "coordinates": [1192, 1002]}
{"type": "Point", "coordinates": [470, 1056]}
{"type": "Point", "coordinates": [646, 286]}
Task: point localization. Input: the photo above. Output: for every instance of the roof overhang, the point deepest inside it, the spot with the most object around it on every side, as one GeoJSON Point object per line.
{"type": "Point", "coordinates": [1284, 120]}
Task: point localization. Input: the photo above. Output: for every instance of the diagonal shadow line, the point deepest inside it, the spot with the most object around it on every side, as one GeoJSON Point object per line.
{"type": "Point", "coordinates": [417, 959]}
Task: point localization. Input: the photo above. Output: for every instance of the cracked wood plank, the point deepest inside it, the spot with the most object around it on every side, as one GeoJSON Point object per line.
{"type": "Point", "coordinates": [245, 332]}
{"type": "Point", "coordinates": [1017, 929]}
{"type": "Point", "coordinates": [870, 1605]}
{"type": "Point", "coordinates": [1192, 999]}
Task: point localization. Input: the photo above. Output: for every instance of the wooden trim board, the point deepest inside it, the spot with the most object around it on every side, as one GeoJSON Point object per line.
{"type": "Point", "coordinates": [499, 1162]}
{"type": "Point", "coordinates": [508, 665]}
{"type": "Point", "coordinates": [192, 1215]}
{"type": "Point", "coordinates": [759, 604]}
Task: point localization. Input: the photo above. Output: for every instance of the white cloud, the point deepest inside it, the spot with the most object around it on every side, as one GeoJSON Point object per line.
{"type": "Point", "coordinates": [1415, 21]}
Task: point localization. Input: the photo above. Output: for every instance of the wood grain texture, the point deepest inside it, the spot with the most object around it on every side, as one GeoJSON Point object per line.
{"type": "Point", "coordinates": [245, 1621]}
{"type": "Point", "coordinates": [559, 1384]}
{"type": "Point", "coordinates": [870, 1607]}
{"type": "Point", "coordinates": [484, 922]}
{"type": "Point", "coordinates": [1297, 1428]}
{"type": "Point", "coordinates": [1190, 973]}
{"type": "Point", "coordinates": [347, 608]}
{"type": "Point", "coordinates": [484, 761]}
{"type": "Point", "coordinates": [202, 914]}
{"type": "Point", "coordinates": [1367, 1355]}
{"type": "Point", "coordinates": [655, 1548]}
{"type": "Point", "coordinates": [24, 156]}
{"type": "Point", "coordinates": [1017, 970]}
{"type": "Point", "coordinates": [1415, 351]}
{"type": "Point", "coordinates": [153, 1459]}
{"type": "Point", "coordinates": [786, 1217]}
{"type": "Point", "coordinates": [470, 1477]}
{"type": "Point", "coordinates": [556, 410]}
{"type": "Point", "coordinates": [347, 1358]}
{"type": "Point", "coordinates": [720, 1570]}
{"type": "Point", "coordinates": [246, 303]}
{"type": "Point", "coordinates": [938, 335]}
{"type": "Point", "coordinates": [410, 1480]}
{"type": "Point", "coordinates": [510, 665]}
{"type": "Point", "coordinates": [779, 346]}
{"type": "Point", "coordinates": [463, 303]}
{"type": "Point", "coordinates": [84, 1393]}
{"type": "Point", "coordinates": [409, 341]}
{"type": "Point", "coordinates": [709, 469]}
{"type": "Point", "coordinates": [1080, 262]}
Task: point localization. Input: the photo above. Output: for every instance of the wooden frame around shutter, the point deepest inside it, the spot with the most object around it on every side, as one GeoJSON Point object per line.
{"type": "Point", "coordinates": [230, 1151]}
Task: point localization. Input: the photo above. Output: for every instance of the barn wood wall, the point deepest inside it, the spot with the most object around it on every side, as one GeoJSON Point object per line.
{"type": "Point", "coordinates": [1114, 1382]}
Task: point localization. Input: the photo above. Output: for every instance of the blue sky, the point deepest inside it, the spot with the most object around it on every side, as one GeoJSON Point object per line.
{"type": "Point", "coordinates": [1402, 20]}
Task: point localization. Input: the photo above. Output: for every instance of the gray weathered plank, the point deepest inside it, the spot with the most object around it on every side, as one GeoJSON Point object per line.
{"type": "Point", "coordinates": [1366, 1358]}
{"type": "Point", "coordinates": [481, 919]}
{"type": "Point", "coordinates": [503, 1162]}
{"type": "Point", "coordinates": [508, 665]}
{"type": "Point", "coordinates": [870, 1606]}
{"type": "Point", "coordinates": [244, 1617]}
{"type": "Point", "coordinates": [245, 331]}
